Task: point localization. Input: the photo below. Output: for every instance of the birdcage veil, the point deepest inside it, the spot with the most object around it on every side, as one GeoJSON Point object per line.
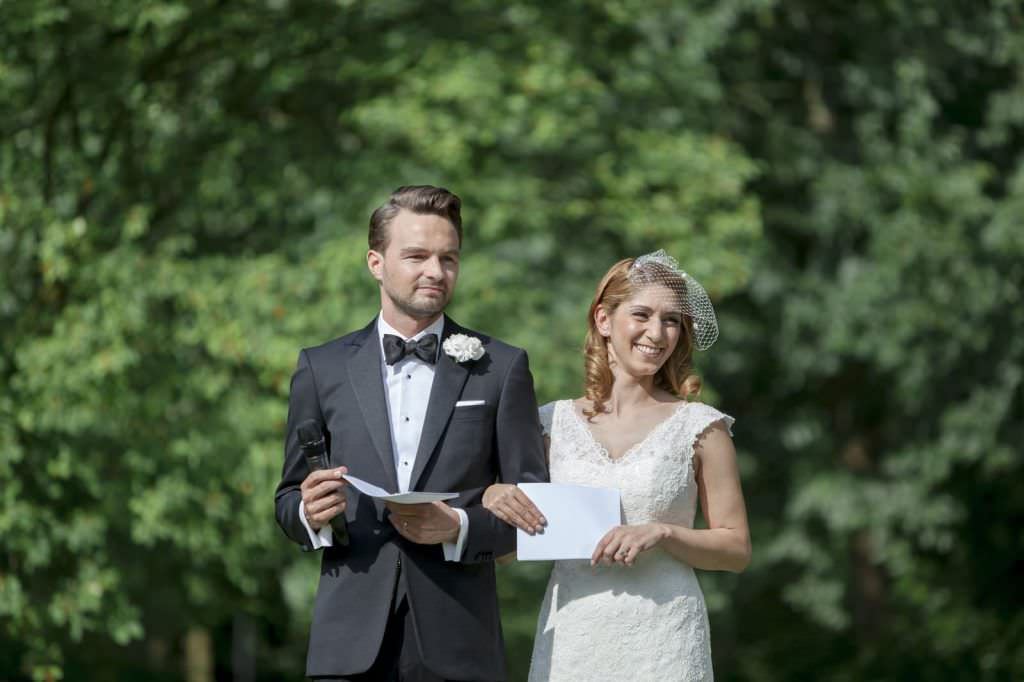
{"type": "Point", "coordinates": [659, 268]}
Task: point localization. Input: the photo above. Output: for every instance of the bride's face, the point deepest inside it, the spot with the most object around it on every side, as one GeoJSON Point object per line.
{"type": "Point", "coordinates": [643, 331]}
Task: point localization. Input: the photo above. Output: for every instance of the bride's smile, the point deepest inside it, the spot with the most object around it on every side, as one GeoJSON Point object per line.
{"type": "Point", "coordinates": [648, 351]}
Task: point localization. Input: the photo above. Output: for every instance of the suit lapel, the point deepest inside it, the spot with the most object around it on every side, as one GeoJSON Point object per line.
{"type": "Point", "coordinates": [368, 385]}
{"type": "Point", "coordinates": [449, 378]}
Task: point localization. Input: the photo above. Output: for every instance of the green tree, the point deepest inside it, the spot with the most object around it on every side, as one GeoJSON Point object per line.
{"type": "Point", "coordinates": [185, 190]}
{"type": "Point", "coordinates": [886, 396]}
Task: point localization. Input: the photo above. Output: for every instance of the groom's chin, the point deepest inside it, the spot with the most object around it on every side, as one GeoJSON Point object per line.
{"type": "Point", "coordinates": [421, 309]}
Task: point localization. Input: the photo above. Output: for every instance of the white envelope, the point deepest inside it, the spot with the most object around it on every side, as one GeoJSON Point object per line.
{"type": "Point", "coordinates": [411, 497]}
{"type": "Point", "coordinates": [578, 517]}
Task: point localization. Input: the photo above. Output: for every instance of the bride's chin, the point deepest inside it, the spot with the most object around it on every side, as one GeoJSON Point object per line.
{"type": "Point", "coordinates": [640, 360]}
{"type": "Point", "coordinates": [640, 371]}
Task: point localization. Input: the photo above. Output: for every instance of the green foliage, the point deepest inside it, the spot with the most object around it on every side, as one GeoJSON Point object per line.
{"type": "Point", "coordinates": [889, 297]}
{"type": "Point", "coordinates": [184, 189]}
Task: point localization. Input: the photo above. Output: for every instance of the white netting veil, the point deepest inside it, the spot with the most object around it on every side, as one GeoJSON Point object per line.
{"type": "Point", "coordinates": [661, 269]}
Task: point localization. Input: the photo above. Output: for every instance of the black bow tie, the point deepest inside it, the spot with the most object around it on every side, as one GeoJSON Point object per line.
{"type": "Point", "coordinates": [395, 348]}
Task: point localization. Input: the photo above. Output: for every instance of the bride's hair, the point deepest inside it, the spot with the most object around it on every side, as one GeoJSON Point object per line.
{"type": "Point", "coordinates": [675, 376]}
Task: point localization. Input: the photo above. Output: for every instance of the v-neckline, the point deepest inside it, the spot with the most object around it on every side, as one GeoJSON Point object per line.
{"type": "Point", "coordinates": [600, 447]}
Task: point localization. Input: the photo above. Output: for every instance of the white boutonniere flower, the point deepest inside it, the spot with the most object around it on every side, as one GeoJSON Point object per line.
{"type": "Point", "coordinates": [462, 348]}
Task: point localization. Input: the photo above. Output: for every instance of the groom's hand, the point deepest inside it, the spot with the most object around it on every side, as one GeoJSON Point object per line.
{"type": "Point", "coordinates": [322, 496]}
{"type": "Point", "coordinates": [430, 523]}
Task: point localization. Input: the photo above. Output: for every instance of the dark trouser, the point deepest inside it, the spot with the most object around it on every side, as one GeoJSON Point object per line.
{"type": "Point", "coordinates": [399, 657]}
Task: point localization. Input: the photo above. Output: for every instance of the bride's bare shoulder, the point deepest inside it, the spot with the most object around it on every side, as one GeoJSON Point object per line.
{"type": "Point", "coordinates": [582, 403]}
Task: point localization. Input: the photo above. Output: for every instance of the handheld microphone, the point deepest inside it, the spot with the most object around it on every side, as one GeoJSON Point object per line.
{"type": "Point", "coordinates": [313, 445]}
{"type": "Point", "coordinates": [314, 449]}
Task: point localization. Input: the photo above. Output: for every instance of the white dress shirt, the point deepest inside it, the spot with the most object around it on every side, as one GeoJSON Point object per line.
{"type": "Point", "coordinates": [407, 386]}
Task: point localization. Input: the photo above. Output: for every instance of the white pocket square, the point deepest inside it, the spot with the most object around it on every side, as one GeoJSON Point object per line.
{"type": "Point", "coordinates": [470, 403]}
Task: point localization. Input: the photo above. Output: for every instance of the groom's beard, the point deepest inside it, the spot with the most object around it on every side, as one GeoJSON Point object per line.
{"type": "Point", "coordinates": [419, 307]}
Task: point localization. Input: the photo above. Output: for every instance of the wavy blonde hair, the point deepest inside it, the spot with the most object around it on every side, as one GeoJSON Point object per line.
{"type": "Point", "coordinates": [675, 376]}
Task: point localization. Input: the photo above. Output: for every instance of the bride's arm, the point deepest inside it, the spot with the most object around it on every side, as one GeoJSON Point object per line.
{"type": "Point", "coordinates": [724, 545]}
{"type": "Point", "coordinates": [511, 505]}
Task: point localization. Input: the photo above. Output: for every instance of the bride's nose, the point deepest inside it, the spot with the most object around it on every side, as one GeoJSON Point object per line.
{"type": "Point", "coordinates": [654, 330]}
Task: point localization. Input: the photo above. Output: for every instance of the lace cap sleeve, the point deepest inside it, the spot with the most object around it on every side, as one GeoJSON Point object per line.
{"type": "Point", "coordinates": [546, 413]}
{"type": "Point", "coordinates": [703, 416]}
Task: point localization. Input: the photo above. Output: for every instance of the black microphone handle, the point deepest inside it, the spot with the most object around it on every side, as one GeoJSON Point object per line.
{"type": "Point", "coordinates": [317, 461]}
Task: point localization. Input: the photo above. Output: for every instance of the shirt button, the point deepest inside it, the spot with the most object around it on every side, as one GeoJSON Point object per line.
{"type": "Point", "coordinates": [408, 376]}
{"type": "Point", "coordinates": [406, 419]}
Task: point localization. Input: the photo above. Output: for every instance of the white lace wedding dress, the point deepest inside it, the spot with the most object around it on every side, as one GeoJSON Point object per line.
{"type": "Point", "coordinates": [645, 622]}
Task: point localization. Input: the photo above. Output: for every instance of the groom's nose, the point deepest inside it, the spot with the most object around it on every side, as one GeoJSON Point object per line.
{"type": "Point", "coordinates": [432, 268]}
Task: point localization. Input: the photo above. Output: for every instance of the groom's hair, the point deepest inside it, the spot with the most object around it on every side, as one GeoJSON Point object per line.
{"type": "Point", "coordinates": [421, 199]}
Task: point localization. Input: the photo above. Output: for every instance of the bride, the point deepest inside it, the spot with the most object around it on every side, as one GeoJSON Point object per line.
{"type": "Point", "coordinates": [635, 610]}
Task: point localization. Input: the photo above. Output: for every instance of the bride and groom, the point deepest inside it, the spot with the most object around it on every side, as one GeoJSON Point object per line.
{"type": "Point", "coordinates": [416, 402]}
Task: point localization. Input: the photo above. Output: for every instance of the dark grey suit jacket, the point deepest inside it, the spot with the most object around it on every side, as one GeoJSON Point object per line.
{"type": "Point", "coordinates": [454, 605]}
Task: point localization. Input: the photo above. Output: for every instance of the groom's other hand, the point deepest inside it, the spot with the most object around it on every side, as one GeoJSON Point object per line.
{"type": "Point", "coordinates": [322, 498]}
{"type": "Point", "coordinates": [430, 523]}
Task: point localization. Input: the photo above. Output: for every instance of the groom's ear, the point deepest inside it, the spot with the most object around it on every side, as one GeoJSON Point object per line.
{"type": "Point", "coordinates": [375, 263]}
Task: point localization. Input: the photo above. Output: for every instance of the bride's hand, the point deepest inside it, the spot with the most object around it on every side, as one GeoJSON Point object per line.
{"type": "Point", "coordinates": [511, 505]}
{"type": "Point", "coordinates": [622, 544]}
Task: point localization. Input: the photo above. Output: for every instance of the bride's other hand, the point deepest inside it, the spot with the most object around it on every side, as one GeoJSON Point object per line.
{"type": "Point", "coordinates": [622, 544]}
{"type": "Point", "coordinates": [511, 505]}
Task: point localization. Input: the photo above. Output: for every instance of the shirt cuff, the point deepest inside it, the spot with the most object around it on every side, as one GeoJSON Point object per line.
{"type": "Point", "coordinates": [453, 551]}
{"type": "Point", "coordinates": [324, 538]}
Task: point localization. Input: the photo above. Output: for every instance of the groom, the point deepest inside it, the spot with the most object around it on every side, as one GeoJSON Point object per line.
{"type": "Point", "coordinates": [412, 401]}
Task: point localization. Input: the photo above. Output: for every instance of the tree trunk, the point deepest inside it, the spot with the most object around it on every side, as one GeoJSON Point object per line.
{"type": "Point", "coordinates": [243, 648]}
{"type": "Point", "coordinates": [198, 655]}
{"type": "Point", "coordinates": [868, 588]}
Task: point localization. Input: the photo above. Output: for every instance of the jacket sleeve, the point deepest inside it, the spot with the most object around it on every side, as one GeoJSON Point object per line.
{"type": "Point", "coordinates": [303, 403]}
{"type": "Point", "coordinates": [519, 453]}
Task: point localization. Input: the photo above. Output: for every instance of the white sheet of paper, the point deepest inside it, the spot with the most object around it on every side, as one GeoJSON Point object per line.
{"type": "Point", "coordinates": [578, 517]}
{"type": "Point", "coordinates": [411, 497]}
